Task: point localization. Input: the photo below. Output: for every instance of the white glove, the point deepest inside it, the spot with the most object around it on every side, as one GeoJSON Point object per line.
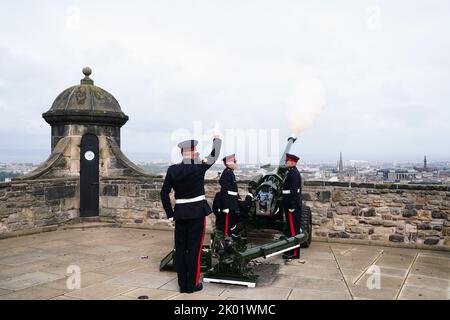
{"type": "Point", "coordinates": [291, 210]}
{"type": "Point", "coordinates": [171, 219]}
{"type": "Point", "coordinates": [226, 210]}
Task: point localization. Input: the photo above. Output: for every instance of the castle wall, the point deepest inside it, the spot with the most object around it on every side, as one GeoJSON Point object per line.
{"type": "Point", "coordinates": [37, 205]}
{"type": "Point", "coordinates": [381, 214]}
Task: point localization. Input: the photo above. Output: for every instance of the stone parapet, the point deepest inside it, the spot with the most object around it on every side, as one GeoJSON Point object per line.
{"type": "Point", "coordinates": [37, 205]}
{"type": "Point", "coordinates": [393, 214]}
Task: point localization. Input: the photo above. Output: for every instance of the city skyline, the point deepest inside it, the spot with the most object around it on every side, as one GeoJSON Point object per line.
{"type": "Point", "coordinates": [38, 156]}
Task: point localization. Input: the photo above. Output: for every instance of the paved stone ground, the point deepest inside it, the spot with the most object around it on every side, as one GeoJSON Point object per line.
{"type": "Point", "coordinates": [34, 267]}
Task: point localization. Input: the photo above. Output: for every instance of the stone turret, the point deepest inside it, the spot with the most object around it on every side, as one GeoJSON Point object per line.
{"type": "Point", "coordinates": [80, 110]}
{"type": "Point", "coordinates": [85, 108]}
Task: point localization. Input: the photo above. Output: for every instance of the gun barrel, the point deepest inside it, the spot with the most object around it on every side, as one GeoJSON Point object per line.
{"type": "Point", "coordinates": [271, 249]}
{"type": "Point", "coordinates": [287, 149]}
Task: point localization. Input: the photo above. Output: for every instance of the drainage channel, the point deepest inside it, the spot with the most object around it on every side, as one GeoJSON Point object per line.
{"type": "Point", "coordinates": [342, 274]}
{"type": "Point", "coordinates": [407, 275]}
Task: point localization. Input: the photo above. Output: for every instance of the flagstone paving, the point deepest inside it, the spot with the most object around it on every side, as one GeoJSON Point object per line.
{"type": "Point", "coordinates": [123, 263]}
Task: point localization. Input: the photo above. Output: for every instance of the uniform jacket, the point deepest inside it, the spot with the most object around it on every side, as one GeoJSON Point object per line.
{"type": "Point", "coordinates": [228, 190]}
{"type": "Point", "coordinates": [187, 180]}
{"type": "Point", "coordinates": [293, 183]}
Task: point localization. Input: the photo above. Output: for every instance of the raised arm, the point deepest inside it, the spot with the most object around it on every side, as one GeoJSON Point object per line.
{"type": "Point", "coordinates": [212, 157]}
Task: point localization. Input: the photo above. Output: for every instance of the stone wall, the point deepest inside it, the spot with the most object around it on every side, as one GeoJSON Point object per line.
{"type": "Point", "coordinates": [131, 200]}
{"type": "Point", "coordinates": [35, 206]}
{"type": "Point", "coordinates": [381, 214]}
{"type": "Point", "coordinates": [59, 131]}
{"type": "Point", "coordinates": [136, 202]}
{"type": "Point", "coordinates": [411, 215]}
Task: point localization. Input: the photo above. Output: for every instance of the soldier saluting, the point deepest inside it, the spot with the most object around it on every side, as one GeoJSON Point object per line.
{"type": "Point", "coordinates": [191, 208]}
{"type": "Point", "coordinates": [292, 202]}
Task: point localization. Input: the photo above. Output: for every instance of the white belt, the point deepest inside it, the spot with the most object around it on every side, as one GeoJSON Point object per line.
{"type": "Point", "coordinates": [199, 198]}
{"type": "Point", "coordinates": [289, 191]}
{"type": "Point", "coordinates": [232, 193]}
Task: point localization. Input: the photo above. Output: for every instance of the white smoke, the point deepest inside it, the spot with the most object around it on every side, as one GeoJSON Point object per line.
{"type": "Point", "coordinates": [304, 104]}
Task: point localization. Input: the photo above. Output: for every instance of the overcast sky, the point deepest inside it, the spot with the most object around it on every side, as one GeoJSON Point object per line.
{"type": "Point", "coordinates": [384, 67]}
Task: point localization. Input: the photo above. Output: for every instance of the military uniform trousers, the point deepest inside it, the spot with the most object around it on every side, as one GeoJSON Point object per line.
{"type": "Point", "coordinates": [293, 226]}
{"type": "Point", "coordinates": [189, 236]}
{"type": "Point", "coordinates": [226, 222]}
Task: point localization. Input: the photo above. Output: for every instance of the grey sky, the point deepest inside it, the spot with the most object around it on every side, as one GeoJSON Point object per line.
{"type": "Point", "coordinates": [384, 66]}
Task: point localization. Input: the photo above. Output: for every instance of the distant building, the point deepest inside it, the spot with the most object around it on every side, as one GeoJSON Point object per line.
{"type": "Point", "coordinates": [397, 175]}
{"type": "Point", "coordinates": [340, 165]}
{"type": "Point", "coordinates": [425, 167]}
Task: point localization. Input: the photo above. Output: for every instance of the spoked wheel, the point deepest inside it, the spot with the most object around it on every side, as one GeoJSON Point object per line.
{"type": "Point", "coordinates": [306, 225]}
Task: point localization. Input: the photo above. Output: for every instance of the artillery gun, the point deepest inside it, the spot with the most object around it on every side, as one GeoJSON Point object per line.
{"type": "Point", "coordinates": [267, 211]}
{"type": "Point", "coordinates": [226, 259]}
{"type": "Point", "coordinates": [233, 267]}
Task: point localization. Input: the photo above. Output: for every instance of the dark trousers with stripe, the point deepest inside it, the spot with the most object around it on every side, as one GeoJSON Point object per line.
{"type": "Point", "coordinates": [293, 227]}
{"type": "Point", "coordinates": [189, 236]}
{"type": "Point", "coordinates": [226, 221]}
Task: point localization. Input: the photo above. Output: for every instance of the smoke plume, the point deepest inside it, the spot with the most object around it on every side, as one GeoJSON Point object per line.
{"type": "Point", "coordinates": [304, 104]}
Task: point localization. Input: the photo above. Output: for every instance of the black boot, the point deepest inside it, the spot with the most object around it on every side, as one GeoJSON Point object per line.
{"type": "Point", "coordinates": [288, 256]}
{"type": "Point", "coordinates": [198, 287]}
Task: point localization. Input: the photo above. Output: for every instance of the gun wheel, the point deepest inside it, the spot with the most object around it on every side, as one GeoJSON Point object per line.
{"type": "Point", "coordinates": [306, 224]}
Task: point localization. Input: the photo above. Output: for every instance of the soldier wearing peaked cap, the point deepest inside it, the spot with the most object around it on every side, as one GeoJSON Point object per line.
{"type": "Point", "coordinates": [227, 205]}
{"type": "Point", "coordinates": [292, 202]}
{"type": "Point", "coordinates": [191, 208]}
{"type": "Point", "coordinates": [226, 202]}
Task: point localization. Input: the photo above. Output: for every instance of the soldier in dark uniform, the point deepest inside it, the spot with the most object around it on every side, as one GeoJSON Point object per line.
{"type": "Point", "coordinates": [227, 205]}
{"type": "Point", "coordinates": [191, 208]}
{"type": "Point", "coordinates": [292, 202]}
{"type": "Point", "coordinates": [227, 198]}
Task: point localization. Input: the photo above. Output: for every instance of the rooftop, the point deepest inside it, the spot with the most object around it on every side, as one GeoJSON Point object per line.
{"type": "Point", "coordinates": [85, 103]}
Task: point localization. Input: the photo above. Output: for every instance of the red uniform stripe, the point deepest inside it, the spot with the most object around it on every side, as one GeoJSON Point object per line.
{"type": "Point", "coordinates": [226, 225]}
{"type": "Point", "coordinates": [200, 253]}
{"type": "Point", "coordinates": [291, 224]}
